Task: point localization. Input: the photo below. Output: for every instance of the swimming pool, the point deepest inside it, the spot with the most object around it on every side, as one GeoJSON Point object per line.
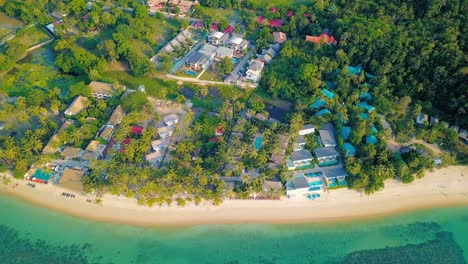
{"type": "Point", "coordinates": [235, 60]}
{"type": "Point", "coordinates": [313, 174]}
{"type": "Point", "coordinates": [258, 143]}
{"type": "Point", "coordinates": [315, 183]}
{"type": "Point", "coordinates": [192, 73]}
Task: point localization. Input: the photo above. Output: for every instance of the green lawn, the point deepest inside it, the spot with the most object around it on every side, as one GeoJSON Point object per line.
{"type": "Point", "coordinates": [209, 75]}
{"type": "Point", "coordinates": [143, 48]}
{"type": "Point", "coordinates": [154, 87]}
{"type": "Point", "coordinates": [32, 36]}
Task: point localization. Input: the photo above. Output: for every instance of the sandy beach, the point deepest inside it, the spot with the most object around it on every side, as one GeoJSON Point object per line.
{"type": "Point", "coordinates": [442, 188]}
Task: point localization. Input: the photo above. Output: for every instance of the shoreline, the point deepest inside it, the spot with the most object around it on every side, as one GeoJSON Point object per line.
{"type": "Point", "coordinates": [445, 187]}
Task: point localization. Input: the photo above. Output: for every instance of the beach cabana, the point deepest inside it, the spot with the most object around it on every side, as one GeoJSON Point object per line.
{"type": "Point", "coordinates": [323, 112]}
{"type": "Point", "coordinates": [371, 139]}
{"type": "Point", "coordinates": [328, 93]}
{"type": "Point", "coordinates": [349, 149]}
{"type": "Point", "coordinates": [319, 103]}
{"type": "Point", "coordinates": [345, 132]}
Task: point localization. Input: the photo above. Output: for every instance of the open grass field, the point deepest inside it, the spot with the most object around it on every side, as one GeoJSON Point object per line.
{"type": "Point", "coordinates": [219, 14]}
{"type": "Point", "coordinates": [143, 48]}
{"type": "Point", "coordinates": [32, 36]}
{"type": "Point", "coordinates": [154, 87]}
{"type": "Point", "coordinates": [8, 24]}
{"type": "Point", "coordinates": [210, 76]}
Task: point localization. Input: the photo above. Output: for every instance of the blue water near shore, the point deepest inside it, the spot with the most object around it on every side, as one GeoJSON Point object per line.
{"type": "Point", "coordinates": [29, 234]}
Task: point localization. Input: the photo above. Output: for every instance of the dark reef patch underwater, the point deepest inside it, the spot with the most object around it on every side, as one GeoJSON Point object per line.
{"type": "Point", "coordinates": [443, 249]}
{"type": "Point", "coordinates": [17, 250]}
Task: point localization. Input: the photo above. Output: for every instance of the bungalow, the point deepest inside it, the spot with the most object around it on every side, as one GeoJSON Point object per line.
{"type": "Point", "coordinates": [421, 119]}
{"type": "Point", "coordinates": [215, 38]}
{"type": "Point", "coordinates": [106, 132]}
{"type": "Point", "coordinates": [326, 155]}
{"type": "Point", "coordinates": [52, 145]}
{"type": "Point", "coordinates": [306, 130]}
{"type": "Point", "coordinates": [433, 120]}
{"type": "Point", "coordinates": [154, 158]}
{"type": "Point", "coordinates": [171, 119]}
{"type": "Point", "coordinates": [463, 135]}
{"type": "Point", "coordinates": [335, 173]}
{"type": "Point", "coordinates": [279, 37]}
{"type": "Point", "coordinates": [116, 116]}
{"type": "Point", "coordinates": [455, 127]}
{"type": "Point", "coordinates": [159, 144]}
{"type": "Point", "coordinates": [78, 104]}
{"type": "Point", "coordinates": [71, 153]}
{"type": "Point", "coordinates": [165, 132]}
{"type": "Point", "coordinates": [297, 187]}
{"type": "Point", "coordinates": [254, 71]}
{"type": "Point", "coordinates": [101, 90]}
{"type": "Point", "coordinates": [219, 131]}
{"type": "Point", "coordinates": [325, 38]}
{"type": "Point", "coordinates": [198, 61]}
{"type": "Point", "coordinates": [299, 158]}
{"type": "Point", "coordinates": [97, 148]}
{"type": "Point", "coordinates": [300, 144]}
{"type": "Point", "coordinates": [223, 52]}
{"type": "Point", "coordinates": [272, 185]}
{"type": "Point", "coordinates": [71, 179]}
{"type": "Point", "coordinates": [208, 50]}
{"type": "Point", "coordinates": [238, 44]}
{"type": "Point", "coordinates": [327, 135]}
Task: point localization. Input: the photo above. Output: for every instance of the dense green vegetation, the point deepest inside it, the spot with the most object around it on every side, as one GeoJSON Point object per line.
{"type": "Point", "coordinates": [414, 51]}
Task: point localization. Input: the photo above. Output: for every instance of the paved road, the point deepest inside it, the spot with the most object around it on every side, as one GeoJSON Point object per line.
{"type": "Point", "coordinates": [241, 64]}
{"type": "Point", "coordinates": [203, 82]}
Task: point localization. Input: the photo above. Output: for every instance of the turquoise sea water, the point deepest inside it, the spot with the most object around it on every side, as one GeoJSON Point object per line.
{"type": "Point", "coordinates": [29, 234]}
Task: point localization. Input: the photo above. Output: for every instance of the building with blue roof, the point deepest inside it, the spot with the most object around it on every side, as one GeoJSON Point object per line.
{"type": "Point", "coordinates": [374, 129]}
{"type": "Point", "coordinates": [323, 112]}
{"type": "Point", "coordinates": [349, 149]}
{"type": "Point", "coordinates": [371, 139]}
{"type": "Point", "coordinates": [370, 76]}
{"type": "Point", "coordinates": [345, 132]}
{"type": "Point", "coordinates": [369, 108]}
{"type": "Point", "coordinates": [364, 116]}
{"type": "Point", "coordinates": [365, 96]}
{"type": "Point", "coordinates": [328, 93]}
{"type": "Point", "coordinates": [330, 85]}
{"type": "Point", "coordinates": [319, 103]}
{"type": "Point", "coordinates": [354, 70]}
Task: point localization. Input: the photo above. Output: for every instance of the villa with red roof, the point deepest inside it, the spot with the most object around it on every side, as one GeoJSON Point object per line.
{"type": "Point", "coordinates": [137, 130]}
{"type": "Point", "coordinates": [229, 29]}
{"type": "Point", "coordinates": [290, 14]}
{"type": "Point", "coordinates": [328, 39]}
{"type": "Point", "coordinates": [275, 23]}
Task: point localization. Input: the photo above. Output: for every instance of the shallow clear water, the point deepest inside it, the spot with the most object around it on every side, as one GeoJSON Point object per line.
{"type": "Point", "coordinates": [29, 234]}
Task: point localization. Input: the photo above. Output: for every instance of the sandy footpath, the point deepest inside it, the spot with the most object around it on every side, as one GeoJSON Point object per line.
{"type": "Point", "coordinates": [441, 188]}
